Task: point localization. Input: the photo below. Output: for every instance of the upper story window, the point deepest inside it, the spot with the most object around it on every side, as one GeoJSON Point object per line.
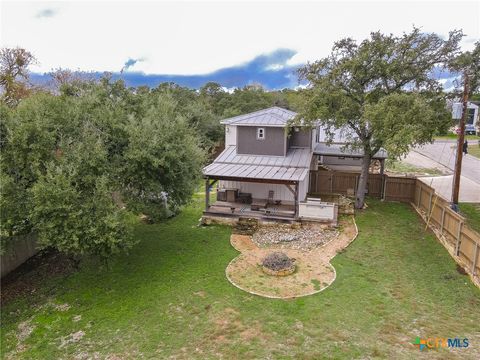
{"type": "Point", "coordinates": [260, 133]}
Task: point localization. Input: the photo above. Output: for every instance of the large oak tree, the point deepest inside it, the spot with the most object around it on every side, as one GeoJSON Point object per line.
{"type": "Point", "coordinates": [382, 90]}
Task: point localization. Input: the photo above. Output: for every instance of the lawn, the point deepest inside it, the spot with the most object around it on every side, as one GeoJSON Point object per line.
{"type": "Point", "coordinates": [472, 138]}
{"type": "Point", "coordinates": [472, 212]}
{"type": "Point", "coordinates": [474, 150]}
{"type": "Point", "coordinates": [404, 167]}
{"type": "Point", "coordinates": [170, 299]}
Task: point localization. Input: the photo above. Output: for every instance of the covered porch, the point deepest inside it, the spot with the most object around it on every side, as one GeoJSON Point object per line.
{"type": "Point", "coordinates": [232, 203]}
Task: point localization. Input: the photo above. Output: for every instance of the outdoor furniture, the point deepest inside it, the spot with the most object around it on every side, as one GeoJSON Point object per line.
{"type": "Point", "coordinates": [232, 195]}
{"type": "Point", "coordinates": [255, 207]}
{"type": "Point", "coordinates": [270, 197]}
{"type": "Point", "coordinates": [221, 195]}
{"type": "Point", "coordinates": [244, 198]}
{"type": "Point", "coordinates": [257, 204]}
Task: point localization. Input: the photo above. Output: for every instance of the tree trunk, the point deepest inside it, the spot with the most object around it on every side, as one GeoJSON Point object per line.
{"type": "Point", "coordinates": [362, 182]}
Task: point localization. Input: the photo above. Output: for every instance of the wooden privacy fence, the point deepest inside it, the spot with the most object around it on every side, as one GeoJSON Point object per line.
{"type": "Point", "coordinates": [390, 188]}
{"type": "Point", "coordinates": [462, 243]}
{"type": "Point", "coordinates": [451, 229]}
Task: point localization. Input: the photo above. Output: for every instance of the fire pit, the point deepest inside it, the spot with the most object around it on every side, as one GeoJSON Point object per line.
{"type": "Point", "coordinates": [278, 264]}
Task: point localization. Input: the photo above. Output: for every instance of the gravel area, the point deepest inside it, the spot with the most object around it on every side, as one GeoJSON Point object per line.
{"type": "Point", "coordinates": [283, 236]}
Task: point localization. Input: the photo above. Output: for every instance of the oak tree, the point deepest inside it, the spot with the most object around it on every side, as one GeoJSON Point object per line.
{"type": "Point", "coordinates": [382, 91]}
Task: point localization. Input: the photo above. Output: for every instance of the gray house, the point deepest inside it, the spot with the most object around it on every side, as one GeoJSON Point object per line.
{"type": "Point", "coordinates": [265, 167]}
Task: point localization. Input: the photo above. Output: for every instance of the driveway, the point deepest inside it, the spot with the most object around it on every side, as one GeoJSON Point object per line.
{"type": "Point", "coordinates": [441, 155]}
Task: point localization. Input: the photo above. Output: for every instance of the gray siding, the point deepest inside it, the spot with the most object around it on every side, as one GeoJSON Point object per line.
{"type": "Point", "coordinates": [273, 144]}
{"type": "Point", "coordinates": [302, 138]}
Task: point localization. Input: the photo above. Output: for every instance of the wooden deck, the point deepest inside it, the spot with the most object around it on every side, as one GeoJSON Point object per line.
{"type": "Point", "coordinates": [233, 209]}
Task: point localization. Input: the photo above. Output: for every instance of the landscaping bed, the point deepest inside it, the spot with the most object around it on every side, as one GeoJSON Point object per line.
{"type": "Point", "coordinates": [304, 237]}
{"type": "Point", "coordinates": [305, 253]}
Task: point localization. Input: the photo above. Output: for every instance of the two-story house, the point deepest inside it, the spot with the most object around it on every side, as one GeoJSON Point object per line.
{"type": "Point", "coordinates": [265, 167]}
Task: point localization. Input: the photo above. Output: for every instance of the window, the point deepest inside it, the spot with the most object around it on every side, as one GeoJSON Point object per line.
{"type": "Point", "coordinates": [260, 133]}
{"type": "Point", "coordinates": [470, 116]}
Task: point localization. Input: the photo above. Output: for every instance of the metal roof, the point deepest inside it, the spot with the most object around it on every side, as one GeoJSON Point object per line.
{"type": "Point", "coordinates": [341, 150]}
{"type": "Point", "coordinates": [274, 116]}
{"type": "Point", "coordinates": [229, 164]}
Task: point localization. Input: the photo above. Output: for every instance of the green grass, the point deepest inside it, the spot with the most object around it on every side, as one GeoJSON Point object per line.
{"type": "Point", "coordinates": [403, 167]}
{"type": "Point", "coordinates": [454, 137]}
{"type": "Point", "coordinates": [474, 150]}
{"type": "Point", "coordinates": [170, 298]}
{"type": "Point", "coordinates": [472, 213]}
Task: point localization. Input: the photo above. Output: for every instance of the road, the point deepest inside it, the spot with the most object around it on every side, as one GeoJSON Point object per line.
{"type": "Point", "coordinates": [443, 152]}
{"type": "Point", "coordinates": [441, 155]}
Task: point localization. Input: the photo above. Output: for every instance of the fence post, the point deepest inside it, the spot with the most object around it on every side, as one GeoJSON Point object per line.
{"type": "Point", "coordinates": [384, 187]}
{"type": "Point", "coordinates": [474, 261]}
{"type": "Point", "coordinates": [443, 219]}
{"type": "Point", "coordinates": [459, 235]}
{"type": "Point", "coordinates": [419, 196]}
{"type": "Point", "coordinates": [430, 203]}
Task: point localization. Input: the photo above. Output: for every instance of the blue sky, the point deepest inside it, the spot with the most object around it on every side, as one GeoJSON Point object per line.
{"type": "Point", "coordinates": [192, 42]}
{"type": "Point", "coordinates": [269, 70]}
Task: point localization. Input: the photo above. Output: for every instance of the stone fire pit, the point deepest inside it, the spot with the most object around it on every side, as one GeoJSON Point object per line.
{"type": "Point", "coordinates": [278, 264]}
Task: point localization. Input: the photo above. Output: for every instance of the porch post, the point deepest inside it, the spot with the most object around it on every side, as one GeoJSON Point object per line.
{"type": "Point", "coordinates": [296, 199]}
{"type": "Point", "coordinates": [207, 193]}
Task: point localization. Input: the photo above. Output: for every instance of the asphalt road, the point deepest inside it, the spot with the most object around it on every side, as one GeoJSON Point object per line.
{"type": "Point", "coordinates": [443, 152]}
{"type": "Point", "coordinates": [441, 155]}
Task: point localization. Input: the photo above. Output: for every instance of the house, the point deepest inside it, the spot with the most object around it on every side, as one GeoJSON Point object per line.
{"type": "Point", "coordinates": [472, 120]}
{"type": "Point", "coordinates": [265, 168]}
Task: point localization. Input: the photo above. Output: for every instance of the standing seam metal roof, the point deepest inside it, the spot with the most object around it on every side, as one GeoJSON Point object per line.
{"type": "Point", "coordinates": [293, 167]}
{"type": "Point", "coordinates": [274, 116]}
{"type": "Point", "coordinates": [341, 150]}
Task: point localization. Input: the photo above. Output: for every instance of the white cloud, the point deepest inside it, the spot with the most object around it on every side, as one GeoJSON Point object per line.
{"type": "Point", "coordinates": [229, 90]}
{"type": "Point", "coordinates": [300, 87]}
{"type": "Point", "coordinates": [275, 67]}
{"type": "Point", "coordinates": [197, 37]}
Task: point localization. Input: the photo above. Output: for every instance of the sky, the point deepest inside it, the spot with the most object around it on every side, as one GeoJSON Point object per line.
{"type": "Point", "coordinates": [234, 43]}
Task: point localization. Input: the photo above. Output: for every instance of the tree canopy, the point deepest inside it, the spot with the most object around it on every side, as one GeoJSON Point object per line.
{"type": "Point", "coordinates": [381, 91]}
{"type": "Point", "coordinates": [14, 74]}
{"type": "Point", "coordinates": [81, 156]}
{"type": "Point", "coordinates": [75, 165]}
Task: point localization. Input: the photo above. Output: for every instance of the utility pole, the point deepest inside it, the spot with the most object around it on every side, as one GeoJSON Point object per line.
{"type": "Point", "coordinates": [460, 141]}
